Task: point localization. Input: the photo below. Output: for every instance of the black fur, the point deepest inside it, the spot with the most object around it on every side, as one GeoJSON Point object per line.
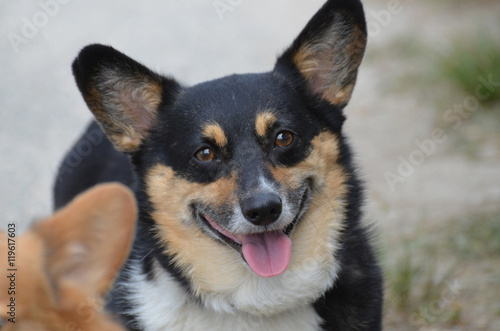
{"type": "Point", "coordinates": [355, 301]}
{"type": "Point", "coordinates": [92, 160]}
{"type": "Point", "coordinates": [357, 296]}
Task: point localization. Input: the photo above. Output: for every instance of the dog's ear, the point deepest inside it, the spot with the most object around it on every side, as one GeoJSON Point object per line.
{"type": "Point", "coordinates": [123, 95]}
{"type": "Point", "coordinates": [328, 52]}
{"type": "Point", "coordinates": [89, 240]}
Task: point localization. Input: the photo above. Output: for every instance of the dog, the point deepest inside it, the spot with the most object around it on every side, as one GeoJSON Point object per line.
{"type": "Point", "coordinates": [250, 206]}
{"type": "Point", "coordinates": [59, 272]}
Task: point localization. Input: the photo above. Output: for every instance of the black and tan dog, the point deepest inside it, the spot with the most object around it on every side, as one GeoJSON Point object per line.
{"type": "Point", "coordinates": [249, 202]}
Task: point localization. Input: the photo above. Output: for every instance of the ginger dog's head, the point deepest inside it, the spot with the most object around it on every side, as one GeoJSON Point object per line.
{"type": "Point", "coordinates": [55, 277]}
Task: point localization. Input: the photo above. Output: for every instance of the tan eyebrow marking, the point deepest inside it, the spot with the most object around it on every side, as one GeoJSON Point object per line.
{"type": "Point", "coordinates": [214, 132]}
{"type": "Point", "coordinates": [263, 122]}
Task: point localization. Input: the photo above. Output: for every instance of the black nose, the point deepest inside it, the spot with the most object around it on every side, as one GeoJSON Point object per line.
{"type": "Point", "coordinates": [262, 209]}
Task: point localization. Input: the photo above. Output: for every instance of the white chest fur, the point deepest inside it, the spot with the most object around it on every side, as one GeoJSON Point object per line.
{"type": "Point", "coordinates": [161, 304]}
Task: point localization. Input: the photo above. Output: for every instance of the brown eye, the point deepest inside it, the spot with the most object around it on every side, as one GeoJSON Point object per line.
{"type": "Point", "coordinates": [284, 139]}
{"type": "Point", "coordinates": [205, 155]}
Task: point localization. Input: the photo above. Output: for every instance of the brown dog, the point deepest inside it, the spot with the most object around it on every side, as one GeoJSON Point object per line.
{"type": "Point", "coordinates": [56, 275]}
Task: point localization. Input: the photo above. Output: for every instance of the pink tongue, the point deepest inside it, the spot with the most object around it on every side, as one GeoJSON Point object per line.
{"type": "Point", "coordinates": [267, 254]}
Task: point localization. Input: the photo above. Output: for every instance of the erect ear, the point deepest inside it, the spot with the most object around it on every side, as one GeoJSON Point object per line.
{"type": "Point", "coordinates": [123, 95]}
{"type": "Point", "coordinates": [328, 52]}
{"type": "Point", "coordinates": [89, 240]}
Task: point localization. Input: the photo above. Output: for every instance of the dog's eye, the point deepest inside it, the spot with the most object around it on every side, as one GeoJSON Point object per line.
{"type": "Point", "coordinates": [205, 155]}
{"type": "Point", "coordinates": [284, 138]}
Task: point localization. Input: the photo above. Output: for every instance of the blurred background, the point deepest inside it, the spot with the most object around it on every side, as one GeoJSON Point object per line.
{"type": "Point", "coordinates": [424, 122]}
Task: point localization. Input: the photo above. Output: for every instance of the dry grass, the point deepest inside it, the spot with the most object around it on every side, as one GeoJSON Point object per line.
{"type": "Point", "coordinates": [428, 283]}
{"type": "Point", "coordinates": [472, 61]}
{"type": "Point", "coordinates": [443, 271]}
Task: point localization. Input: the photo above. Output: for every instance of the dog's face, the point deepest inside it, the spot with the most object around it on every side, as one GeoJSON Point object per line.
{"type": "Point", "coordinates": [243, 174]}
{"type": "Point", "coordinates": [223, 150]}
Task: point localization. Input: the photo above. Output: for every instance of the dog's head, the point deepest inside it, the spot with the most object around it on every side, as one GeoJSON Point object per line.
{"type": "Point", "coordinates": [243, 173]}
{"type": "Point", "coordinates": [60, 270]}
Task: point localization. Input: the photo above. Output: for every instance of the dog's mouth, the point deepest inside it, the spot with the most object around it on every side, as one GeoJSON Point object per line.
{"type": "Point", "coordinates": [267, 253]}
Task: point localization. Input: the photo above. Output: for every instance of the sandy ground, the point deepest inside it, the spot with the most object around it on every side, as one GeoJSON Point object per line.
{"type": "Point", "coordinates": [42, 113]}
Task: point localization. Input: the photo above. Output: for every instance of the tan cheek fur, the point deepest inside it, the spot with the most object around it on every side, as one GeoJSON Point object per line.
{"type": "Point", "coordinates": [214, 267]}
{"type": "Point", "coordinates": [315, 237]}
{"type": "Point", "coordinates": [210, 266]}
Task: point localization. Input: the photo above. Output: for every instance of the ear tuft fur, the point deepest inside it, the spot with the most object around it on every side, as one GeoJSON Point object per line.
{"type": "Point", "coordinates": [123, 95]}
{"type": "Point", "coordinates": [329, 50]}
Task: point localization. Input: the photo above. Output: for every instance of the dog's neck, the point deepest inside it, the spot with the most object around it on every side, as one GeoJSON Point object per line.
{"type": "Point", "coordinates": [161, 303]}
